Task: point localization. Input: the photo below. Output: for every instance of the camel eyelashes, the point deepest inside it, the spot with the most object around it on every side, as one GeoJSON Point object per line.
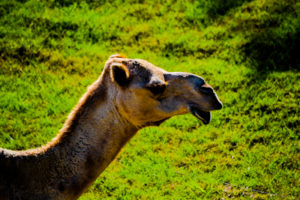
{"type": "Point", "coordinates": [157, 89]}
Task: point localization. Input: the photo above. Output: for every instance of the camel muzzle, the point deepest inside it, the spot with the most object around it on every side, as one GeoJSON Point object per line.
{"type": "Point", "coordinates": [209, 99]}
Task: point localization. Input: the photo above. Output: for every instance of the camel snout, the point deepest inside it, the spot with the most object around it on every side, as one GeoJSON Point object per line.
{"type": "Point", "coordinates": [219, 105]}
{"type": "Point", "coordinates": [208, 90]}
{"type": "Point", "coordinates": [216, 103]}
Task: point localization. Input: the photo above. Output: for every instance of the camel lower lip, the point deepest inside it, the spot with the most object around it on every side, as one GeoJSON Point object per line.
{"type": "Point", "coordinates": [205, 117]}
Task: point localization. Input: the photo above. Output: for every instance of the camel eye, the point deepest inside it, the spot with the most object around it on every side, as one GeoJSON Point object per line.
{"type": "Point", "coordinates": [157, 89]}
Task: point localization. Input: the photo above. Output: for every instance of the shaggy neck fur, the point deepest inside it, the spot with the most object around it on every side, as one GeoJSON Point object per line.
{"type": "Point", "coordinates": [90, 139]}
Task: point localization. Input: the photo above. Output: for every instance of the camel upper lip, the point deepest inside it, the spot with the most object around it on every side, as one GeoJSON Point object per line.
{"type": "Point", "coordinates": [204, 116]}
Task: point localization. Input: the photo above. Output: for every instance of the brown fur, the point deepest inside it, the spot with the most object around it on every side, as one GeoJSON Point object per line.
{"type": "Point", "coordinates": [129, 94]}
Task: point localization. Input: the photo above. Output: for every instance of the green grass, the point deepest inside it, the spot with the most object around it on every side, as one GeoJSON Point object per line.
{"type": "Point", "coordinates": [247, 49]}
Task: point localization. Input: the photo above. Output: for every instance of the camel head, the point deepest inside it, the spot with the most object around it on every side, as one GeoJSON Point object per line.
{"type": "Point", "coordinates": [148, 95]}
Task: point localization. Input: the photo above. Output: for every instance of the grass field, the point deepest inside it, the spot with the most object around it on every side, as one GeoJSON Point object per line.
{"type": "Point", "coordinates": [247, 49]}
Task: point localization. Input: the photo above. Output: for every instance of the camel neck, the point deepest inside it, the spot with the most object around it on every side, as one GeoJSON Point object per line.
{"type": "Point", "coordinates": [90, 141]}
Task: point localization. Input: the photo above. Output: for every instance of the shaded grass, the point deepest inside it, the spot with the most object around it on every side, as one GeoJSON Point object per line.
{"type": "Point", "coordinates": [51, 51]}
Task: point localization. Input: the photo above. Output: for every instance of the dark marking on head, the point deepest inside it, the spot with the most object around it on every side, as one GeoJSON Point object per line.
{"type": "Point", "coordinates": [139, 71]}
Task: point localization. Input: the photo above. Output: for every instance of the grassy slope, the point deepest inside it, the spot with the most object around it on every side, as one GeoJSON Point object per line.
{"type": "Point", "coordinates": [50, 52]}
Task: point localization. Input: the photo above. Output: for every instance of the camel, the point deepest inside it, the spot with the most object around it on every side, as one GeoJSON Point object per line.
{"type": "Point", "coordinates": [129, 94]}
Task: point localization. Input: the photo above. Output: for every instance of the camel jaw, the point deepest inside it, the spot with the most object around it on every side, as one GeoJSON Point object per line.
{"type": "Point", "coordinates": [204, 116]}
{"type": "Point", "coordinates": [156, 123]}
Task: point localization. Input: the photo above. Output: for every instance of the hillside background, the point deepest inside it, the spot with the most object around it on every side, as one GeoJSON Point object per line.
{"type": "Point", "coordinates": [50, 51]}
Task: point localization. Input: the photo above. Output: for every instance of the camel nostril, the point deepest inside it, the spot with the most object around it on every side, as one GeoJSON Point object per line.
{"type": "Point", "coordinates": [219, 105]}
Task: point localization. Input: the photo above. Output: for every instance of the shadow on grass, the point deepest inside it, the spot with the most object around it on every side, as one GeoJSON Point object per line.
{"type": "Point", "coordinates": [271, 52]}
{"type": "Point", "coordinates": [221, 7]}
{"type": "Point", "coordinates": [276, 45]}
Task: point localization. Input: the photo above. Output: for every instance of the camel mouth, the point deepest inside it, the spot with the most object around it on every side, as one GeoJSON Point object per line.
{"type": "Point", "coordinates": [204, 116]}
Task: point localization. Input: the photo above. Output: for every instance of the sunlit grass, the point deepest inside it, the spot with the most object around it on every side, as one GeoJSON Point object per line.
{"type": "Point", "coordinates": [50, 52]}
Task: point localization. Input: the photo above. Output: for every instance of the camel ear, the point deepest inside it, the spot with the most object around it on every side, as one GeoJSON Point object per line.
{"type": "Point", "coordinates": [119, 74]}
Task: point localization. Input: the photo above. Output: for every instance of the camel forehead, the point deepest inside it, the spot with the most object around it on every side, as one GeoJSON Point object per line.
{"type": "Point", "coordinates": [146, 64]}
{"type": "Point", "coordinates": [143, 67]}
